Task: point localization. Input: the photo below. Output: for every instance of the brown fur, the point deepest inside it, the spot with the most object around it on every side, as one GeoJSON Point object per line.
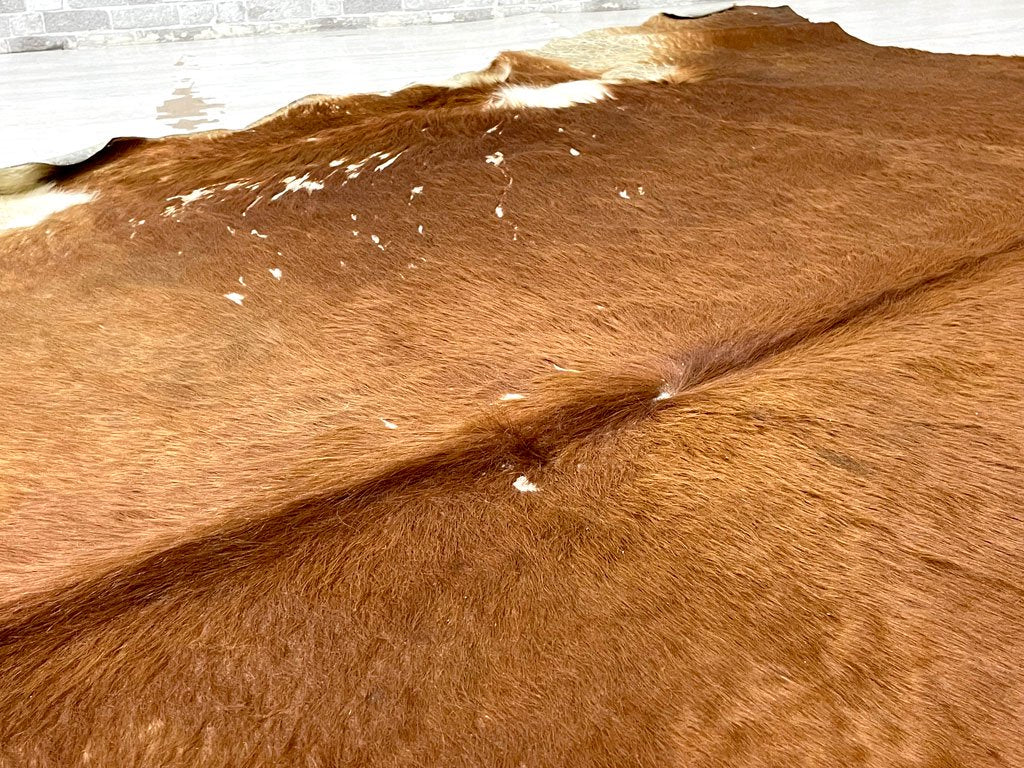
{"type": "Point", "coordinates": [215, 552]}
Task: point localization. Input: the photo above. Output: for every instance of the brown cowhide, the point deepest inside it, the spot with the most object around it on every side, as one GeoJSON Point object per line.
{"type": "Point", "coordinates": [681, 426]}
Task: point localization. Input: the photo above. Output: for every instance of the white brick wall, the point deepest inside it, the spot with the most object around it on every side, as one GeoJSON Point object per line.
{"type": "Point", "coordinates": [36, 25]}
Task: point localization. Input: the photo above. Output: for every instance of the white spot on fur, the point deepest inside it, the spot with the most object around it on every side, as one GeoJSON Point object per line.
{"type": "Point", "coordinates": [354, 169]}
{"type": "Point", "coordinates": [232, 185]}
{"type": "Point", "coordinates": [339, 161]}
{"type": "Point", "coordinates": [415, 191]}
{"type": "Point", "coordinates": [640, 190]}
{"type": "Point", "coordinates": [523, 485]}
{"type": "Point", "coordinates": [624, 194]}
{"type": "Point", "coordinates": [258, 234]}
{"type": "Point", "coordinates": [354, 217]}
{"type": "Point", "coordinates": [512, 396]}
{"type": "Point", "coordinates": [386, 163]}
{"type": "Point", "coordinates": [191, 197]}
{"type": "Point", "coordinates": [29, 208]}
{"type": "Point", "coordinates": [237, 298]}
{"type": "Point", "coordinates": [275, 272]}
{"type": "Point", "coordinates": [296, 183]}
{"type": "Point", "coordinates": [250, 205]}
{"type": "Point", "coordinates": [559, 368]}
{"type": "Point", "coordinates": [499, 212]}
{"type": "Point", "coordinates": [557, 96]}
{"type": "Point", "coordinates": [496, 159]}
{"type": "Point", "coordinates": [376, 240]}
{"type": "Point", "coordinates": [389, 424]}
{"type": "Point", "coordinates": [241, 280]}
{"type": "Point", "coordinates": [420, 229]}
{"type": "Point", "coordinates": [493, 128]}
{"type": "Point", "coordinates": [574, 152]}
{"type": "Point", "coordinates": [663, 395]}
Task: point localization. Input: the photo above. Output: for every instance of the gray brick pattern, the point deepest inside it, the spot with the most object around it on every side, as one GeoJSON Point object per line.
{"type": "Point", "coordinates": [39, 25]}
{"type": "Point", "coordinates": [191, 14]}
{"type": "Point", "coordinates": [372, 6]}
{"type": "Point", "coordinates": [443, 5]}
{"type": "Point", "coordinates": [144, 17]}
{"type": "Point", "coordinates": [277, 10]}
{"type": "Point", "coordinates": [24, 24]}
{"type": "Point", "coordinates": [327, 9]}
{"type": "Point", "coordinates": [75, 21]}
{"type": "Point", "coordinates": [231, 11]}
{"type": "Point", "coordinates": [103, 3]}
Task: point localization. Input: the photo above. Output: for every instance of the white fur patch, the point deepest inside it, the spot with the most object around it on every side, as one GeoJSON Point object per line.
{"type": "Point", "coordinates": [523, 485]}
{"type": "Point", "coordinates": [275, 272]}
{"type": "Point", "coordinates": [512, 396]}
{"type": "Point", "coordinates": [560, 369]}
{"type": "Point", "coordinates": [295, 183]}
{"type": "Point", "coordinates": [386, 163]}
{"type": "Point", "coordinates": [557, 96]}
{"type": "Point", "coordinates": [29, 208]}
{"type": "Point", "coordinates": [191, 197]}
{"type": "Point", "coordinates": [237, 298]}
